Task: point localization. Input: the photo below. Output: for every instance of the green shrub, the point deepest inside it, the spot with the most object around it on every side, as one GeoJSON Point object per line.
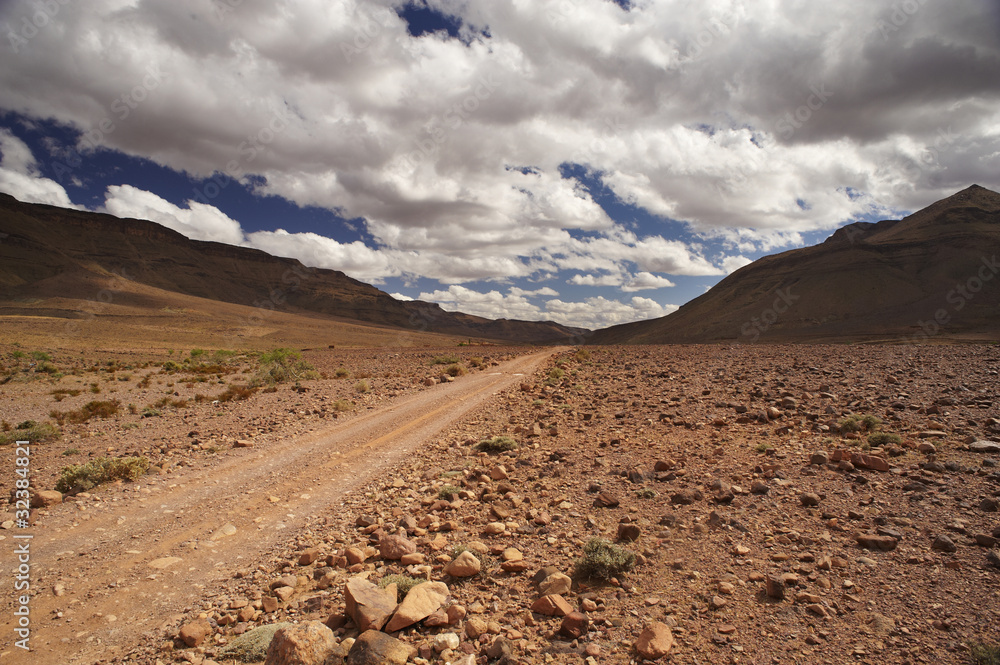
{"type": "Point", "coordinates": [456, 370]}
{"type": "Point", "coordinates": [251, 646]}
{"type": "Point", "coordinates": [93, 409]}
{"type": "Point", "coordinates": [856, 423]}
{"type": "Point", "coordinates": [477, 362]}
{"type": "Point", "coordinates": [362, 386]}
{"type": "Point", "coordinates": [342, 373]}
{"type": "Point", "coordinates": [82, 477]}
{"type": "Point", "coordinates": [31, 431]}
{"type": "Point", "coordinates": [583, 355]}
{"type": "Point", "coordinates": [41, 356]}
{"type": "Point", "coordinates": [448, 492]}
{"type": "Point", "coordinates": [646, 493]}
{"type": "Point", "coordinates": [445, 360]}
{"type": "Point", "coordinates": [603, 559]}
{"type": "Point", "coordinates": [884, 439]}
{"type": "Point", "coordinates": [342, 405]}
{"type": "Point", "coordinates": [280, 365]}
{"type": "Point", "coordinates": [984, 654]}
{"type": "Point", "coordinates": [403, 584]}
{"type": "Point", "coordinates": [497, 444]}
{"type": "Point", "coordinates": [70, 451]}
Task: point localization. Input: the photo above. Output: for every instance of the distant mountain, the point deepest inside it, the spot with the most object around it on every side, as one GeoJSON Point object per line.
{"type": "Point", "coordinates": [930, 276]}
{"type": "Point", "coordinates": [48, 253]}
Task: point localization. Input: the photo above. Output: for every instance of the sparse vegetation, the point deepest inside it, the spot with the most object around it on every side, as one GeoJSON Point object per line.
{"type": "Point", "coordinates": [583, 355]}
{"type": "Point", "coordinates": [476, 362]}
{"type": "Point", "coordinates": [70, 451]}
{"type": "Point", "coordinates": [497, 444]}
{"type": "Point", "coordinates": [61, 393]}
{"type": "Point", "coordinates": [445, 360]}
{"type": "Point", "coordinates": [884, 439]}
{"type": "Point", "coordinates": [362, 386]}
{"type": "Point", "coordinates": [448, 492]}
{"type": "Point", "coordinates": [31, 431]}
{"type": "Point", "coordinates": [280, 365]}
{"type": "Point", "coordinates": [984, 654]}
{"type": "Point", "coordinates": [341, 373]}
{"type": "Point", "coordinates": [646, 493]}
{"type": "Point", "coordinates": [762, 448]}
{"type": "Point", "coordinates": [251, 647]}
{"type": "Point", "coordinates": [82, 477]}
{"type": "Point", "coordinates": [456, 370]}
{"type": "Point", "coordinates": [856, 423]}
{"type": "Point", "coordinates": [603, 559]}
{"type": "Point", "coordinates": [92, 409]}
{"type": "Point", "coordinates": [403, 584]}
{"type": "Point", "coordinates": [342, 405]}
{"type": "Point", "coordinates": [235, 393]}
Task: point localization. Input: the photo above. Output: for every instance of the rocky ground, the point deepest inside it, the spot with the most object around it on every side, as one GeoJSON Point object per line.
{"type": "Point", "coordinates": [763, 529]}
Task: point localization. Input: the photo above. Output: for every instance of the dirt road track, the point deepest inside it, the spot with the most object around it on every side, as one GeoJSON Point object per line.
{"type": "Point", "coordinates": [102, 556]}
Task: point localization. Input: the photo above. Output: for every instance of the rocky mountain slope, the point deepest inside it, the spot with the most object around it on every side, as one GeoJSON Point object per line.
{"type": "Point", "coordinates": [53, 253]}
{"type": "Point", "coordinates": [932, 275]}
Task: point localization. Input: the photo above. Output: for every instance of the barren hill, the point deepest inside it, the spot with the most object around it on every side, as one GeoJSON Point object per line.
{"type": "Point", "coordinates": [932, 275]}
{"type": "Point", "coordinates": [53, 261]}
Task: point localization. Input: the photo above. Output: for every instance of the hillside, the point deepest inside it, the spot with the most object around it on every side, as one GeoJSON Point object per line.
{"type": "Point", "coordinates": [883, 281]}
{"type": "Point", "coordinates": [58, 263]}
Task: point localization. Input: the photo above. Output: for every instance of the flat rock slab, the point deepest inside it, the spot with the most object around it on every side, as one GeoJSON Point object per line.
{"type": "Point", "coordinates": [164, 562]}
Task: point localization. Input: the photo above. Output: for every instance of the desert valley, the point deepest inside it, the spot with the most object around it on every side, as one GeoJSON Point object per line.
{"type": "Point", "coordinates": [381, 487]}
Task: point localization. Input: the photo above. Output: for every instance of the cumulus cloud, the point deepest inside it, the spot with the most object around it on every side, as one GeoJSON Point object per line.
{"type": "Point", "coordinates": [733, 263]}
{"type": "Point", "coordinates": [599, 312]}
{"type": "Point", "coordinates": [19, 175]}
{"type": "Point", "coordinates": [198, 221]}
{"type": "Point", "coordinates": [491, 305]}
{"type": "Point", "coordinates": [645, 281]}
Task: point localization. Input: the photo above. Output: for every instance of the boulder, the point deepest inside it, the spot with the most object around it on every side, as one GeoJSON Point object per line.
{"type": "Point", "coordinates": [655, 641]}
{"type": "Point", "coordinates": [421, 602]}
{"type": "Point", "coordinates": [375, 648]}
{"type": "Point", "coordinates": [464, 565]}
{"type": "Point", "coordinates": [367, 605]}
{"type": "Point", "coordinates": [310, 643]}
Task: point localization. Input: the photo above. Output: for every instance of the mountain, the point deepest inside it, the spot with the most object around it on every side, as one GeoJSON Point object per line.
{"type": "Point", "coordinates": [54, 261]}
{"type": "Point", "coordinates": [932, 275]}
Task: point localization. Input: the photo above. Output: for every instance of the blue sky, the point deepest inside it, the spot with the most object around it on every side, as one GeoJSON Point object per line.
{"type": "Point", "coordinates": [583, 161]}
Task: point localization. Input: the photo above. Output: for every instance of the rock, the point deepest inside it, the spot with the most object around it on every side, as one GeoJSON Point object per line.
{"type": "Point", "coordinates": [774, 587]}
{"type": "Point", "coordinates": [309, 643]}
{"type": "Point", "coordinates": [422, 601]}
{"type": "Point", "coordinates": [375, 648]}
{"type": "Point", "coordinates": [444, 641]}
{"type": "Point", "coordinates": [574, 625]}
{"type": "Point", "coordinates": [985, 541]}
{"type": "Point", "coordinates": [686, 497]}
{"type": "Point", "coordinates": [284, 581]}
{"type": "Point", "coordinates": [989, 505]}
{"type": "Point", "coordinates": [809, 499]}
{"type": "Point", "coordinates": [944, 544]}
{"type": "Point", "coordinates": [464, 565]}
{"type": "Point", "coordinates": [551, 606]}
{"type": "Point", "coordinates": [195, 632]}
{"type": "Point", "coordinates": [628, 532]}
{"type": "Point", "coordinates": [512, 554]}
{"type": "Point", "coordinates": [555, 584]}
{"type": "Point", "coordinates": [243, 443]}
{"type": "Point", "coordinates": [284, 592]}
{"type": "Point", "coordinates": [605, 500]}
{"type": "Point", "coordinates": [355, 555]}
{"type": "Point", "coordinates": [654, 641]}
{"type": "Point", "coordinates": [819, 458]}
{"type": "Point", "coordinates": [984, 447]}
{"type": "Point", "coordinates": [46, 498]}
{"type": "Point", "coordinates": [993, 559]}
{"type": "Point", "coordinates": [367, 605]}
{"type": "Point", "coordinates": [308, 556]}
{"type": "Point", "coordinates": [475, 627]}
{"type": "Point", "coordinates": [759, 487]}
{"type": "Point", "coordinates": [394, 548]}
{"type": "Point", "coordinates": [874, 542]}
{"type": "Point", "coordinates": [495, 528]}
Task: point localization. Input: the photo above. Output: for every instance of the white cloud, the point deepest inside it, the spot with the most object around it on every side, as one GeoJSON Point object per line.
{"type": "Point", "coordinates": [19, 175]}
{"type": "Point", "coordinates": [492, 305]}
{"type": "Point", "coordinates": [645, 281]}
{"type": "Point", "coordinates": [199, 221]}
{"type": "Point", "coordinates": [595, 280]}
{"type": "Point", "coordinates": [354, 258]}
{"type": "Point", "coordinates": [599, 312]}
{"type": "Point", "coordinates": [733, 263]}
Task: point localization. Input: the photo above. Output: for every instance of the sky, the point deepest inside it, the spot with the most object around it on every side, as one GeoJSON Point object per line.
{"type": "Point", "coordinates": [588, 162]}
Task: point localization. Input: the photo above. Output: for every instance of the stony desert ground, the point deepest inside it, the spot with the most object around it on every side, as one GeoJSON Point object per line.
{"type": "Point", "coordinates": [765, 504]}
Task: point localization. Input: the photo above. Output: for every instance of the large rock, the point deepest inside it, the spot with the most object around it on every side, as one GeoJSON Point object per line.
{"type": "Point", "coordinates": [421, 602]}
{"type": "Point", "coordinates": [465, 565]}
{"type": "Point", "coordinates": [194, 633]}
{"type": "Point", "coordinates": [375, 648]}
{"type": "Point", "coordinates": [46, 498]}
{"type": "Point", "coordinates": [310, 643]}
{"type": "Point", "coordinates": [555, 584]}
{"type": "Point", "coordinates": [369, 606]}
{"type": "Point", "coordinates": [654, 641]}
{"type": "Point", "coordinates": [873, 542]}
{"type": "Point", "coordinates": [395, 548]}
{"type": "Point", "coordinates": [984, 447]}
{"type": "Point", "coordinates": [552, 605]}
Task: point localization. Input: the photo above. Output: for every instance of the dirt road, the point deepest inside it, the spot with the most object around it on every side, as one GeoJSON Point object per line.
{"type": "Point", "coordinates": [124, 565]}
